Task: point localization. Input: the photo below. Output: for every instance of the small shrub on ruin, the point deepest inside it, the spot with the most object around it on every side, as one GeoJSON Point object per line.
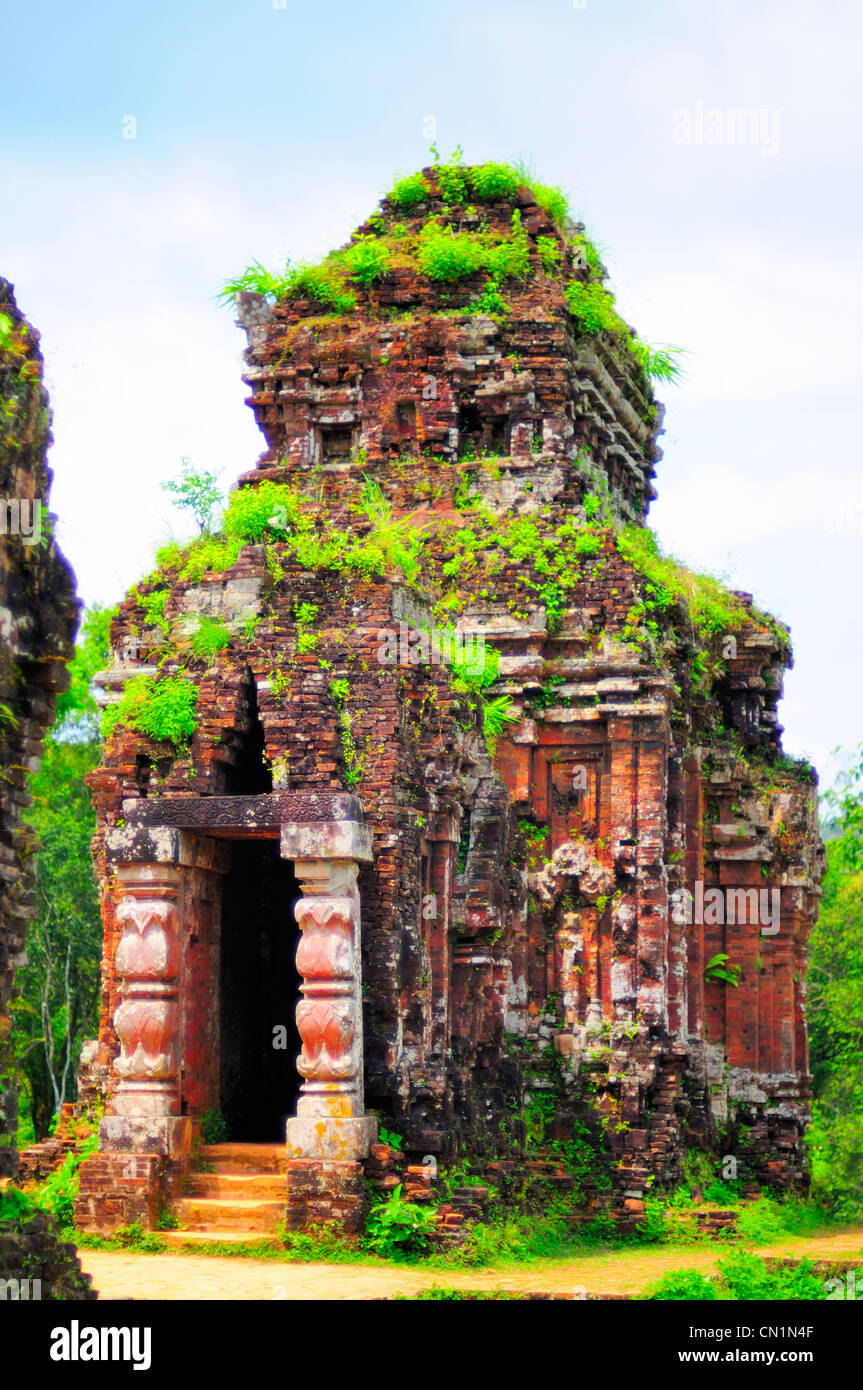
{"type": "Point", "coordinates": [592, 307]}
{"type": "Point", "coordinates": [321, 283]}
{"type": "Point", "coordinates": [162, 709]}
{"type": "Point", "coordinates": [366, 260]}
{"type": "Point", "coordinates": [493, 180]}
{"type": "Point", "coordinates": [548, 250]}
{"type": "Point", "coordinates": [406, 192]}
{"type": "Point", "coordinates": [448, 255]}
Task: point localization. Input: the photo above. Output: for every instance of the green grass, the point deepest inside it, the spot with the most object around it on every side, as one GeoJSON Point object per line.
{"type": "Point", "coordinates": [741, 1276]}
{"type": "Point", "coordinates": [209, 638]}
{"type": "Point", "coordinates": [713, 610]}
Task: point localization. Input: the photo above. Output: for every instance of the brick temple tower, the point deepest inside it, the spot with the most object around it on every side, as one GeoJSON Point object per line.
{"type": "Point", "coordinates": [434, 793]}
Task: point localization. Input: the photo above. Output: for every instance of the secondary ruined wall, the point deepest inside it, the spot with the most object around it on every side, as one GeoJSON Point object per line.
{"type": "Point", "coordinates": [38, 617]}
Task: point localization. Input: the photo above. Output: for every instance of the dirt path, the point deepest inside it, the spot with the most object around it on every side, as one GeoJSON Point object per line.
{"type": "Point", "coordinates": [212, 1277]}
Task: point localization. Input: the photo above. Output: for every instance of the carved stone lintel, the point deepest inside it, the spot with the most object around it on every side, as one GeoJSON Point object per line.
{"type": "Point", "coordinates": [242, 813]}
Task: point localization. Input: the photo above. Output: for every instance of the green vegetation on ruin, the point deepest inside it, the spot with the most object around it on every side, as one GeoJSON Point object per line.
{"type": "Point", "coordinates": [160, 707]}
{"type": "Point", "coordinates": [453, 242]}
{"type": "Point", "coordinates": [524, 561]}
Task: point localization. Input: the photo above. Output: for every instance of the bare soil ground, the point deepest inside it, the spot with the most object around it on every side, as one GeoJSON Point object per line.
{"type": "Point", "coordinates": [169, 1276]}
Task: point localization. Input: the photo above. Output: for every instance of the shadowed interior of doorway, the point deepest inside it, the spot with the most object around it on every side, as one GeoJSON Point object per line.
{"type": "Point", "coordinates": [259, 991]}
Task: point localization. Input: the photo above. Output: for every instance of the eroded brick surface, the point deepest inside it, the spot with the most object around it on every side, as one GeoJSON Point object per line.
{"type": "Point", "coordinates": [553, 966]}
{"type": "Point", "coordinates": [38, 618]}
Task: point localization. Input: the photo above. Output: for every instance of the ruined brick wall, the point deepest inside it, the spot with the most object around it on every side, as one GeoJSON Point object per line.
{"type": "Point", "coordinates": [412, 783]}
{"type": "Point", "coordinates": [559, 971]}
{"type": "Point", "coordinates": [38, 617]}
{"type": "Point", "coordinates": [32, 1252]}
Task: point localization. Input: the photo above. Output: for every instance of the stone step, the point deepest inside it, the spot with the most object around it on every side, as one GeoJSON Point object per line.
{"type": "Point", "coordinates": [215, 1213]}
{"type": "Point", "coordinates": [232, 1185]}
{"type": "Point", "coordinates": [226, 1234]}
{"type": "Point", "coordinates": [238, 1158]}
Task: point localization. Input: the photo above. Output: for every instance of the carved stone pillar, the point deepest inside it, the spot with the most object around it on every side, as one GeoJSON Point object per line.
{"type": "Point", "coordinates": [146, 1102]}
{"type": "Point", "coordinates": [147, 1020]}
{"type": "Point", "coordinates": [330, 1122]}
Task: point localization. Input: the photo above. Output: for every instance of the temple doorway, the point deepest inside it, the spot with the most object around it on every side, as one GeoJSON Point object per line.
{"type": "Point", "coordinates": [258, 993]}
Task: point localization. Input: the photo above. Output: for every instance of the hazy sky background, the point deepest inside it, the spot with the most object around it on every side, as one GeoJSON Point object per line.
{"type": "Point", "coordinates": [264, 131]}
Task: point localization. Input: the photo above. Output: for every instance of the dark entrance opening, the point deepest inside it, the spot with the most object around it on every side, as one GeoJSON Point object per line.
{"type": "Point", "coordinates": [247, 773]}
{"type": "Point", "coordinates": [259, 990]}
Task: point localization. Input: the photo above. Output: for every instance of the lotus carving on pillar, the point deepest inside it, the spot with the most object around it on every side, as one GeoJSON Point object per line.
{"type": "Point", "coordinates": [147, 1029]}
{"type": "Point", "coordinates": [149, 948]}
{"type": "Point", "coordinates": [327, 1029]}
{"type": "Point", "coordinates": [325, 951]}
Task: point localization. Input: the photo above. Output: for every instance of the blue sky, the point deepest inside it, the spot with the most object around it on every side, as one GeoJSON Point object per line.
{"type": "Point", "coordinates": [264, 131]}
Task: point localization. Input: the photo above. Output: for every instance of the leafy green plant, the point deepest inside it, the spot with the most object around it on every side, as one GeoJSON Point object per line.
{"type": "Point", "coordinates": [660, 363]}
{"type": "Point", "coordinates": [552, 200]}
{"type": "Point", "coordinates": [255, 279]}
{"type": "Point", "coordinates": [278, 686]}
{"type": "Point", "coordinates": [684, 1285]}
{"type": "Point", "coordinates": [746, 1276]}
{"type": "Point", "coordinates": [493, 180]}
{"type": "Point", "coordinates": [58, 1192]}
{"type": "Point", "coordinates": [496, 714]}
{"type": "Point", "coordinates": [213, 1127]}
{"type": "Point", "coordinates": [719, 968]}
{"type": "Point", "coordinates": [593, 307]}
{"type": "Point", "coordinates": [548, 250]}
{"type": "Point", "coordinates": [322, 283]}
{"type": "Point", "coordinates": [533, 832]}
{"type": "Point", "coordinates": [134, 1237]}
{"type": "Point", "coordinates": [15, 1207]}
{"type": "Point", "coordinates": [196, 491]}
{"type": "Point", "coordinates": [390, 1138]}
{"type": "Point", "coordinates": [392, 541]}
{"type": "Point", "coordinates": [409, 190]}
{"type": "Point", "coordinates": [192, 561]}
{"type": "Point", "coordinates": [153, 605]}
{"type": "Point", "coordinates": [398, 1228]}
{"type": "Point", "coordinates": [305, 614]}
{"type": "Point", "coordinates": [162, 708]}
{"type": "Point", "coordinates": [268, 509]}
{"type": "Point", "coordinates": [366, 259]}
{"type": "Point", "coordinates": [451, 176]}
{"type": "Point", "coordinates": [354, 761]}
{"type": "Point", "coordinates": [448, 255]}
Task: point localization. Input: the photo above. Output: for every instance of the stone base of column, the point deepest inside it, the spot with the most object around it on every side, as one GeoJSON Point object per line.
{"type": "Point", "coordinates": [347, 1139]}
{"type": "Point", "coordinates": [117, 1189]}
{"type": "Point", "coordinates": [324, 1192]}
{"type": "Point", "coordinates": [167, 1135]}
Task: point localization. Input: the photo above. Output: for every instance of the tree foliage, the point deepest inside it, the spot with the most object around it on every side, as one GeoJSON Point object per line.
{"type": "Point", "coordinates": [57, 1005]}
{"type": "Point", "coordinates": [196, 491]}
{"type": "Point", "coordinates": [835, 1007]}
